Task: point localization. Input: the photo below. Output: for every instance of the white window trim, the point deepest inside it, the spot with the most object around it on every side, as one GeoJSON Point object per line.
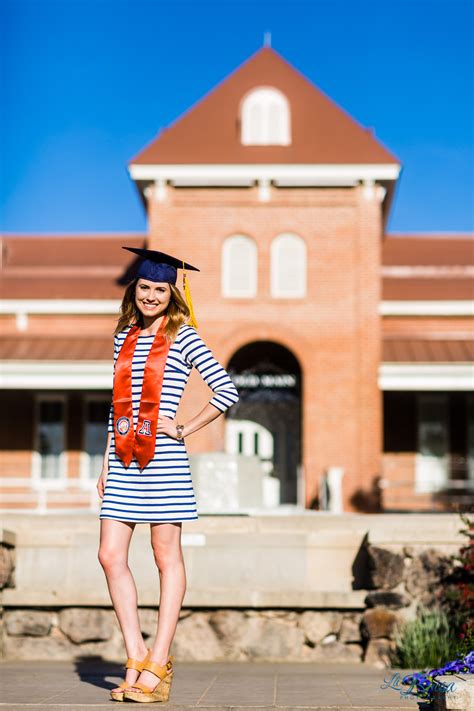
{"type": "Point", "coordinates": [37, 482]}
{"type": "Point", "coordinates": [85, 481]}
{"type": "Point", "coordinates": [227, 267]}
{"type": "Point", "coordinates": [274, 269]}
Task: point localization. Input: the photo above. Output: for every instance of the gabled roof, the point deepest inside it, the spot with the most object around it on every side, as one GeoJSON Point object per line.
{"type": "Point", "coordinates": [209, 132]}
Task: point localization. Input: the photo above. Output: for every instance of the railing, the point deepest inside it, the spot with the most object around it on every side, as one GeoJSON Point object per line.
{"type": "Point", "coordinates": [18, 495]}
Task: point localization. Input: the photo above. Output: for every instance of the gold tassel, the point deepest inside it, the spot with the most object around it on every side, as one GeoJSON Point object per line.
{"type": "Point", "coordinates": [189, 301]}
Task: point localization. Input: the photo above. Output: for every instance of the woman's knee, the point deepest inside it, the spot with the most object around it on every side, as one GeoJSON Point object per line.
{"type": "Point", "coordinates": [167, 556]}
{"type": "Point", "coordinates": [110, 557]}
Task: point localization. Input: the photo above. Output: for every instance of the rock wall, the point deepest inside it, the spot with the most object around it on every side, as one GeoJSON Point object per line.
{"type": "Point", "coordinates": [399, 582]}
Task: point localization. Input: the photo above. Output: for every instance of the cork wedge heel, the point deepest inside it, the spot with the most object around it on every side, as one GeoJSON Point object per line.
{"type": "Point", "coordinates": [137, 664]}
{"type": "Point", "coordinates": [160, 692]}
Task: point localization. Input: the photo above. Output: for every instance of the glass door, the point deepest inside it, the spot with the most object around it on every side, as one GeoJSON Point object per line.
{"type": "Point", "coordinates": [432, 459]}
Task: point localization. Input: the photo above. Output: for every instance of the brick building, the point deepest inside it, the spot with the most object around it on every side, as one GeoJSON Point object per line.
{"type": "Point", "coordinates": [351, 348]}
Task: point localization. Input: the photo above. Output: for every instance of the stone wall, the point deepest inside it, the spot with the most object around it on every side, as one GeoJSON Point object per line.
{"type": "Point", "coordinates": [397, 583]}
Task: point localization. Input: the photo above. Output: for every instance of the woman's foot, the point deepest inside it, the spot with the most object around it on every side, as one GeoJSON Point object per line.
{"type": "Point", "coordinates": [148, 678]}
{"type": "Point", "coordinates": [131, 675]}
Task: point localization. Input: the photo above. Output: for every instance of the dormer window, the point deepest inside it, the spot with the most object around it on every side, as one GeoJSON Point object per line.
{"type": "Point", "coordinates": [265, 118]}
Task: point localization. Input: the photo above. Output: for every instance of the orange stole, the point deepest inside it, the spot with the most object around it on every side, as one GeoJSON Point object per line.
{"type": "Point", "coordinates": [139, 442]}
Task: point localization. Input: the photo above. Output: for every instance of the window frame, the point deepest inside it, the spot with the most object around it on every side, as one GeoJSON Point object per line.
{"type": "Point", "coordinates": [87, 482]}
{"type": "Point", "coordinates": [422, 484]}
{"type": "Point", "coordinates": [37, 481]}
{"type": "Point", "coordinates": [302, 283]}
{"type": "Point", "coordinates": [247, 138]}
{"type": "Point", "coordinates": [226, 268]}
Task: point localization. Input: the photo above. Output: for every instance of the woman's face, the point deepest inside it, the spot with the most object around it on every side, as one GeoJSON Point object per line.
{"type": "Point", "coordinates": [152, 298]}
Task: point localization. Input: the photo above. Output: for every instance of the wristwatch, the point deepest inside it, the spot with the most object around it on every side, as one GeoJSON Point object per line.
{"type": "Point", "coordinates": [179, 430]}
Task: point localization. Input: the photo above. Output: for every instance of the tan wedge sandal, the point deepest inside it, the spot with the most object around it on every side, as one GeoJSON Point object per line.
{"type": "Point", "coordinates": [160, 692]}
{"type": "Point", "coordinates": [137, 664]}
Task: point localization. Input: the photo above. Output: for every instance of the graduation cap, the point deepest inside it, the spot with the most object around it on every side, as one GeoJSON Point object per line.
{"type": "Point", "coordinates": [161, 267]}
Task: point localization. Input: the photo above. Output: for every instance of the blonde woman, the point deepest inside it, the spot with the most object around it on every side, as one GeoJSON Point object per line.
{"type": "Point", "coordinates": [146, 476]}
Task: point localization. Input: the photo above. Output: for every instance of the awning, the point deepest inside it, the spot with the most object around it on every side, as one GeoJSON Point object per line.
{"type": "Point", "coordinates": [56, 347]}
{"type": "Point", "coordinates": [397, 349]}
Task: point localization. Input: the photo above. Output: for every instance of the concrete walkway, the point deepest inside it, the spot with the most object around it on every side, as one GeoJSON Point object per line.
{"type": "Point", "coordinates": [74, 686]}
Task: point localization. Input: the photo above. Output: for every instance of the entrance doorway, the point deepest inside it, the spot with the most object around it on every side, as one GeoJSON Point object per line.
{"type": "Point", "coordinates": [267, 419]}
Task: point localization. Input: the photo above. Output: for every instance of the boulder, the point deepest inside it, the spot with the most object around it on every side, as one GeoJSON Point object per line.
{"type": "Point", "coordinates": [32, 623]}
{"type": "Point", "coordinates": [318, 625]}
{"type": "Point", "coordinates": [272, 640]}
{"type": "Point", "coordinates": [386, 568]}
{"type": "Point", "coordinates": [6, 567]}
{"type": "Point", "coordinates": [387, 598]}
{"type": "Point", "coordinates": [350, 630]}
{"type": "Point", "coordinates": [148, 617]}
{"type": "Point", "coordinates": [424, 576]}
{"type": "Point", "coordinates": [196, 640]}
{"type": "Point", "coordinates": [82, 624]}
{"type": "Point", "coordinates": [378, 652]}
{"type": "Point", "coordinates": [379, 622]}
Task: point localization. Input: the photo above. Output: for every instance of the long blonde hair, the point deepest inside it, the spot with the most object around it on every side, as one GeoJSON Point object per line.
{"type": "Point", "coordinates": [177, 311]}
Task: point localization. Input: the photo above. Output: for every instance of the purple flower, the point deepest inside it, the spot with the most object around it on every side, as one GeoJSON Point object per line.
{"type": "Point", "coordinates": [424, 681]}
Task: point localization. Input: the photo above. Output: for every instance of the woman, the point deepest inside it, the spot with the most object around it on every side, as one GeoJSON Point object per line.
{"type": "Point", "coordinates": [146, 476]}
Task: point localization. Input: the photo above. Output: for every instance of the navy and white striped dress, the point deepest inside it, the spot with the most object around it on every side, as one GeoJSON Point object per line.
{"type": "Point", "coordinates": [163, 490]}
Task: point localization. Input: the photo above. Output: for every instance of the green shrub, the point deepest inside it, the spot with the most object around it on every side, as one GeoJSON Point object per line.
{"type": "Point", "coordinates": [427, 641]}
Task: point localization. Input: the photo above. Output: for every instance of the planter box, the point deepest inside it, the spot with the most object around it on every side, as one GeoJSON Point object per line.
{"type": "Point", "coordinates": [458, 695]}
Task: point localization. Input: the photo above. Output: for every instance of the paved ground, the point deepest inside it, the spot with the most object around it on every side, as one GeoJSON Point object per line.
{"type": "Point", "coordinates": [73, 686]}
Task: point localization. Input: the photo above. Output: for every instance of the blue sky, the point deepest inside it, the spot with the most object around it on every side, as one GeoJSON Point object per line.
{"type": "Point", "coordinates": [86, 84]}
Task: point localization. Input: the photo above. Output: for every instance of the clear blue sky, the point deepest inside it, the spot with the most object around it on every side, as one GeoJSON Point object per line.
{"type": "Point", "coordinates": [87, 83]}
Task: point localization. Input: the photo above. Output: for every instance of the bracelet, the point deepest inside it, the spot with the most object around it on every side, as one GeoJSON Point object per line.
{"type": "Point", "coordinates": [179, 430]}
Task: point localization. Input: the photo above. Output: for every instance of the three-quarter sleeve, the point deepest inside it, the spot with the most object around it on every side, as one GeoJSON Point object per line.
{"type": "Point", "coordinates": [197, 354]}
{"type": "Point", "coordinates": [110, 425]}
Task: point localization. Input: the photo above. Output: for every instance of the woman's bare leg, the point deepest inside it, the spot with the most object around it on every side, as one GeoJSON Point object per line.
{"type": "Point", "coordinates": [166, 544]}
{"type": "Point", "coordinates": [115, 537]}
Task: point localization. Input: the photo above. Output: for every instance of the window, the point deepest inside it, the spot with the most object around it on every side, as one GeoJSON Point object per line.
{"type": "Point", "coordinates": [288, 267]}
{"type": "Point", "coordinates": [470, 436]}
{"type": "Point", "coordinates": [239, 267]}
{"type": "Point", "coordinates": [265, 118]}
{"type": "Point", "coordinates": [49, 453]}
{"type": "Point", "coordinates": [96, 410]}
{"type": "Point", "coordinates": [432, 459]}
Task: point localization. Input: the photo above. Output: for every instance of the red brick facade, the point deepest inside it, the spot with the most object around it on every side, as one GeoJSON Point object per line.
{"type": "Point", "coordinates": [338, 332]}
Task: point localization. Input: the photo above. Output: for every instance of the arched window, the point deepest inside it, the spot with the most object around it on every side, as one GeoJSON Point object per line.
{"type": "Point", "coordinates": [288, 266]}
{"type": "Point", "coordinates": [265, 118]}
{"type": "Point", "coordinates": [239, 267]}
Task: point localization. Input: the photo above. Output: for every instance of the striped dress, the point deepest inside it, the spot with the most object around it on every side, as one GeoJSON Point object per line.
{"type": "Point", "coordinates": [163, 490]}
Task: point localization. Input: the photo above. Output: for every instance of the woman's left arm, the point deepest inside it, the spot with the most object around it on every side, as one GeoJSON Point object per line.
{"type": "Point", "coordinates": [197, 354]}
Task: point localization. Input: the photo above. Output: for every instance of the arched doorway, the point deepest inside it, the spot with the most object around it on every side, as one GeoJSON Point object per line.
{"type": "Point", "coordinates": [267, 419]}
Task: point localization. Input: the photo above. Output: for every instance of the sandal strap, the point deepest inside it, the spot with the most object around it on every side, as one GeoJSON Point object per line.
{"type": "Point", "coordinates": [137, 664]}
{"type": "Point", "coordinates": [157, 669]}
{"type": "Point", "coordinates": [139, 685]}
